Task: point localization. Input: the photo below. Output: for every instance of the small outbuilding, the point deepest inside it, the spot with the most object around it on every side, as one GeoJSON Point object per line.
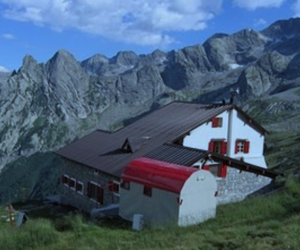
{"type": "Point", "coordinates": [166, 193]}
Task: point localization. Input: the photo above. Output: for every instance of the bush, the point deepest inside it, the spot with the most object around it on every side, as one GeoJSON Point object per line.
{"type": "Point", "coordinates": [69, 222]}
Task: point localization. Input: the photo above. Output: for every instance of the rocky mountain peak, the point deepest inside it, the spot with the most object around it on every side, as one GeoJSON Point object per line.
{"type": "Point", "coordinates": [283, 28]}
{"type": "Point", "coordinates": [62, 56]}
{"type": "Point", "coordinates": [126, 58]}
{"type": "Point", "coordinates": [65, 97]}
{"type": "Point", "coordinates": [95, 63]}
{"type": "Point", "coordinates": [29, 63]}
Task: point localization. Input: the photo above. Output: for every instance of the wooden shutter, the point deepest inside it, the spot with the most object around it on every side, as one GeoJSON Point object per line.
{"type": "Point", "coordinates": [116, 188]}
{"type": "Point", "coordinates": [100, 195]}
{"type": "Point", "coordinates": [205, 167]}
{"type": "Point", "coordinates": [89, 189]}
{"type": "Point", "coordinates": [214, 122]}
{"type": "Point", "coordinates": [223, 171]}
{"type": "Point", "coordinates": [224, 148]}
{"type": "Point", "coordinates": [236, 147]}
{"type": "Point", "coordinates": [246, 147]}
{"type": "Point", "coordinates": [211, 146]}
{"type": "Point", "coordinates": [111, 186]}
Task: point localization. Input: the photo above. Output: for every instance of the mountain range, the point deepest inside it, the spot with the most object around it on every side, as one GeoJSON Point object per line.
{"type": "Point", "coordinates": [44, 106]}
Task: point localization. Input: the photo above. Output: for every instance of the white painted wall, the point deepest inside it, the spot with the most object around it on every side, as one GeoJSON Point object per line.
{"type": "Point", "coordinates": [160, 209]}
{"type": "Point", "coordinates": [201, 136]}
{"type": "Point", "coordinates": [198, 202]}
{"type": "Point", "coordinates": [198, 199]}
{"type": "Point", "coordinates": [242, 130]}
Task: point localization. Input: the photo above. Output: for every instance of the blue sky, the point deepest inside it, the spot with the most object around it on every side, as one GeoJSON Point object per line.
{"type": "Point", "coordinates": [87, 27]}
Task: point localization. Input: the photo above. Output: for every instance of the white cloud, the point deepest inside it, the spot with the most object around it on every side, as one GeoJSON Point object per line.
{"type": "Point", "coordinates": [260, 22]}
{"type": "Point", "coordinates": [296, 8]}
{"type": "Point", "coordinates": [3, 69]}
{"type": "Point", "coordinates": [8, 36]}
{"type": "Point", "coordinates": [141, 22]}
{"type": "Point", "coordinates": [255, 4]}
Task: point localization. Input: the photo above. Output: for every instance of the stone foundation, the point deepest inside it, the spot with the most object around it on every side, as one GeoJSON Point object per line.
{"type": "Point", "coordinates": [238, 185]}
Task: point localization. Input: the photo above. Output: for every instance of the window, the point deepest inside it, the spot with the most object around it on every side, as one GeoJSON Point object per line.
{"type": "Point", "coordinates": [79, 187]}
{"type": "Point", "coordinates": [218, 146]}
{"type": "Point", "coordinates": [217, 122]}
{"type": "Point", "coordinates": [147, 191]}
{"type": "Point", "coordinates": [125, 185]}
{"type": "Point", "coordinates": [72, 183]}
{"type": "Point", "coordinates": [114, 187]}
{"type": "Point", "coordinates": [65, 180]}
{"type": "Point", "coordinates": [95, 192]}
{"type": "Point", "coordinates": [242, 146]}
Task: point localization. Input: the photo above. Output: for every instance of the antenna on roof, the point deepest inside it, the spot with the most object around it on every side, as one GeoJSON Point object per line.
{"type": "Point", "coordinates": [233, 94]}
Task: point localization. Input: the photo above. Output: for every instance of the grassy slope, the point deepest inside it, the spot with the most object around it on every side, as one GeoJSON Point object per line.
{"type": "Point", "coordinates": [271, 222]}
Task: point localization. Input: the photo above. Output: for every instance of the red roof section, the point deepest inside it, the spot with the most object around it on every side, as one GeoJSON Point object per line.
{"type": "Point", "coordinates": [158, 174]}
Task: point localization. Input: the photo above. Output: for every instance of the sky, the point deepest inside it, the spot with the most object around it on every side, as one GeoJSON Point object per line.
{"type": "Point", "coordinates": [86, 27]}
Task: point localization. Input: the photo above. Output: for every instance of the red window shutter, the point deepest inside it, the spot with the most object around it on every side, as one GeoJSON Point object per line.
{"type": "Point", "coordinates": [211, 146]}
{"type": "Point", "coordinates": [205, 167]}
{"type": "Point", "coordinates": [100, 195]}
{"type": "Point", "coordinates": [111, 186]}
{"type": "Point", "coordinates": [246, 147]}
{"type": "Point", "coordinates": [116, 188]}
{"type": "Point", "coordinates": [214, 122]}
{"type": "Point", "coordinates": [236, 147]}
{"type": "Point", "coordinates": [223, 171]}
{"type": "Point", "coordinates": [224, 148]}
{"type": "Point", "coordinates": [89, 189]}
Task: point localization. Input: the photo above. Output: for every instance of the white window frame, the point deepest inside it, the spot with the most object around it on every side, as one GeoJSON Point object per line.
{"type": "Point", "coordinates": [97, 185]}
{"type": "Point", "coordinates": [73, 188]}
{"type": "Point", "coordinates": [67, 176]}
{"type": "Point", "coordinates": [80, 192]}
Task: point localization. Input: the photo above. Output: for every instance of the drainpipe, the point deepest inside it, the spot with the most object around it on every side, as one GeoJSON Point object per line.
{"type": "Point", "coordinates": [229, 133]}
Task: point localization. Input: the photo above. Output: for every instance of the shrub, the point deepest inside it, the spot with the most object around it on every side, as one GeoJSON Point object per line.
{"type": "Point", "coordinates": [69, 222]}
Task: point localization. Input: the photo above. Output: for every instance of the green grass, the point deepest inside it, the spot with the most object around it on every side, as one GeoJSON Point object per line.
{"type": "Point", "coordinates": [265, 222]}
{"type": "Point", "coordinates": [283, 151]}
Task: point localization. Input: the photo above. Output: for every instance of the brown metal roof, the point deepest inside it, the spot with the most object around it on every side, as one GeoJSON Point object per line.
{"type": "Point", "coordinates": [177, 154]}
{"type": "Point", "coordinates": [101, 150]}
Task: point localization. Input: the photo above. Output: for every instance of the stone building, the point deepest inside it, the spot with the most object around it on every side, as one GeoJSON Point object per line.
{"type": "Point", "coordinates": [218, 138]}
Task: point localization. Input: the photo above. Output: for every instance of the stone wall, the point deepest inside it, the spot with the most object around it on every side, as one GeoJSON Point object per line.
{"type": "Point", "coordinates": [85, 174]}
{"type": "Point", "coordinates": [238, 185]}
{"type": "Point", "coordinates": [235, 187]}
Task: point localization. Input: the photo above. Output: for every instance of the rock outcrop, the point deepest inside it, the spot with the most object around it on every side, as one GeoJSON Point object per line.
{"type": "Point", "coordinates": [45, 106]}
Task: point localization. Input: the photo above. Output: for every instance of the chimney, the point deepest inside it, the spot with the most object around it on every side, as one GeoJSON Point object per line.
{"type": "Point", "coordinates": [233, 94]}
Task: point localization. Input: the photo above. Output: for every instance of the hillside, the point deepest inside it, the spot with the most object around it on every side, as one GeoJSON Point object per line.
{"type": "Point", "coordinates": [260, 223]}
{"type": "Point", "coordinates": [44, 106]}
